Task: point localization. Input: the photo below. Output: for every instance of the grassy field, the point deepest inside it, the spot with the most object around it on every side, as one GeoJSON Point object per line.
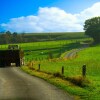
{"type": "Point", "coordinates": [73, 68]}
{"type": "Point", "coordinates": [57, 36]}
{"type": "Point", "coordinates": [38, 53]}
{"type": "Point", "coordinates": [41, 50]}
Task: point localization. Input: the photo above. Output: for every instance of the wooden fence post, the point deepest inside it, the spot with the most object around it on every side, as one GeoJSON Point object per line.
{"type": "Point", "coordinates": [32, 63]}
{"type": "Point", "coordinates": [62, 71]}
{"type": "Point", "coordinates": [84, 70]}
{"type": "Point", "coordinates": [39, 67]}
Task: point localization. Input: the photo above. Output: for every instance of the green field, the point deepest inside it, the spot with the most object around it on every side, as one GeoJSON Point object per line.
{"type": "Point", "coordinates": [90, 57]}
{"type": "Point", "coordinates": [39, 37]}
{"type": "Point", "coordinates": [38, 53]}
{"type": "Point", "coordinates": [41, 50]}
{"type": "Point", "coordinates": [73, 67]}
{"type": "Point", "coordinates": [56, 36]}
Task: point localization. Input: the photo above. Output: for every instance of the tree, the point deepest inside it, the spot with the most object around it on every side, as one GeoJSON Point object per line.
{"type": "Point", "coordinates": [8, 37]}
{"type": "Point", "coordinates": [8, 33]}
{"type": "Point", "coordinates": [15, 34]}
{"type": "Point", "coordinates": [92, 28]}
{"type": "Point", "coordinates": [14, 37]}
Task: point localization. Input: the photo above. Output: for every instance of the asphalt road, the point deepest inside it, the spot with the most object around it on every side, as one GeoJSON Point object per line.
{"type": "Point", "coordinates": [17, 85]}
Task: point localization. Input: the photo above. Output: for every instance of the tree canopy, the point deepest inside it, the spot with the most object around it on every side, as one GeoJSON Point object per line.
{"type": "Point", "coordinates": [92, 28]}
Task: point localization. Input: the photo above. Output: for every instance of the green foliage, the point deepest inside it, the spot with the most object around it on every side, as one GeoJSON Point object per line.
{"type": "Point", "coordinates": [92, 28]}
{"type": "Point", "coordinates": [57, 74]}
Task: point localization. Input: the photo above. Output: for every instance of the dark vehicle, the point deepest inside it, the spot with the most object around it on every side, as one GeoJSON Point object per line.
{"type": "Point", "coordinates": [12, 56]}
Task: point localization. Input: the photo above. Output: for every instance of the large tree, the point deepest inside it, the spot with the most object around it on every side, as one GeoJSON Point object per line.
{"type": "Point", "coordinates": [92, 28]}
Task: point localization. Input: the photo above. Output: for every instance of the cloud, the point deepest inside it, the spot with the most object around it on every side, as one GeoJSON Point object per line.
{"type": "Point", "coordinates": [89, 13]}
{"type": "Point", "coordinates": [52, 19]}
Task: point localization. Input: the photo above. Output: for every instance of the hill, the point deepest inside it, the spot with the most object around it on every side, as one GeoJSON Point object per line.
{"type": "Point", "coordinates": [9, 37]}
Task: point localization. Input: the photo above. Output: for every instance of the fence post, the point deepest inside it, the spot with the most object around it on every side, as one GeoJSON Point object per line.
{"type": "Point", "coordinates": [84, 70]}
{"type": "Point", "coordinates": [62, 71]}
{"type": "Point", "coordinates": [32, 63]}
{"type": "Point", "coordinates": [39, 67]}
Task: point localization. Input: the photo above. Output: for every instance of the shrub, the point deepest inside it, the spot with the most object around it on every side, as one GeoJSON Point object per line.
{"type": "Point", "coordinates": [57, 74]}
{"type": "Point", "coordinates": [79, 81]}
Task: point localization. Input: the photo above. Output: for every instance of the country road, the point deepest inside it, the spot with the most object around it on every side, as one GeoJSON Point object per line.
{"type": "Point", "coordinates": [17, 85]}
{"type": "Point", "coordinates": [73, 53]}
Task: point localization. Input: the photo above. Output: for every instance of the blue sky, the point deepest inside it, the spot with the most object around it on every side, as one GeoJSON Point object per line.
{"type": "Point", "coordinates": [16, 12]}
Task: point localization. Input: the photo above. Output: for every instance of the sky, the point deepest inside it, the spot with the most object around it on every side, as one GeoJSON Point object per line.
{"type": "Point", "coordinates": [46, 15]}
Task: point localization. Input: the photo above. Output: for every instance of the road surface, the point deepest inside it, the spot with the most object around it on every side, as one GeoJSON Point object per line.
{"type": "Point", "coordinates": [17, 85]}
{"type": "Point", "coordinates": [73, 53]}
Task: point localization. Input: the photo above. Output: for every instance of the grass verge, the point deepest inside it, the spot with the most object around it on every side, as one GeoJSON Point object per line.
{"type": "Point", "coordinates": [60, 82]}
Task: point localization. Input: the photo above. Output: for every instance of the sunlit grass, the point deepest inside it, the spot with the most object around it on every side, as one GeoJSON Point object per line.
{"type": "Point", "coordinates": [37, 52]}
{"type": "Point", "coordinates": [40, 50]}
{"type": "Point", "coordinates": [73, 68]}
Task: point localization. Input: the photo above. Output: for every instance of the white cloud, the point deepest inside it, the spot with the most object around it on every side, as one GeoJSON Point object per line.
{"type": "Point", "coordinates": [52, 20]}
{"type": "Point", "coordinates": [89, 13]}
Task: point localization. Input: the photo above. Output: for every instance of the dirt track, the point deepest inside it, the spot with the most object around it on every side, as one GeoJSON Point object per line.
{"type": "Point", "coordinates": [17, 85]}
{"type": "Point", "coordinates": [73, 53]}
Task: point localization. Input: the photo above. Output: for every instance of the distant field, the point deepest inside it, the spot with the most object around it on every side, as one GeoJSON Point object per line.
{"type": "Point", "coordinates": [56, 36]}
{"type": "Point", "coordinates": [39, 37]}
{"type": "Point", "coordinates": [41, 50]}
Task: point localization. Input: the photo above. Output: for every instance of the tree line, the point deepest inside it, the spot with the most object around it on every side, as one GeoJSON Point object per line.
{"type": "Point", "coordinates": [10, 38]}
{"type": "Point", "coordinates": [92, 28]}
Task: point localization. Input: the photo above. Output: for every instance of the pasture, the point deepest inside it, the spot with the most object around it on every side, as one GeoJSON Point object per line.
{"type": "Point", "coordinates": [39, 53]}
{"type": "Point", "coordinates": [73, 68]}
{"type": "Point", "coordinates": [41, 50]}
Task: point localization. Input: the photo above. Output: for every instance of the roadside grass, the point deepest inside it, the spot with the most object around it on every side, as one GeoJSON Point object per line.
{"type": "Point", "coordinates": [60, 83]}
{"type": "Point", "coordinates": [73, 69]}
